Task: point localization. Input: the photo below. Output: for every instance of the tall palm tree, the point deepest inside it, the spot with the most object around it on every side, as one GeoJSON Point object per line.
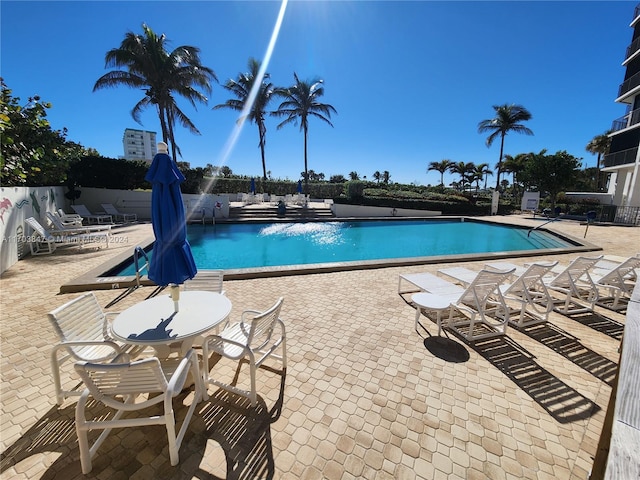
{"type": "Point", "coordinates": [377, 176]}
{"type": "Point", "coordinates": [354, 175]}
{"type": "Point", "coordinates": [599, 145]}
{"type": "Point", "coordinates": [144, 63]}
{"type": "Point", "coordinates": [241, 88]}
{"type": "Point", "coordinates": [442, 166]}
{"type": "Point", "coordinates": [300, 103]}
{"type": "Point", "coordinates": [507, 119]}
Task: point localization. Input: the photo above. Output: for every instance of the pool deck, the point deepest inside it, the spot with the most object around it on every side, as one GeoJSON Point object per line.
{"type": "Point", "coordinates": [364, 395]}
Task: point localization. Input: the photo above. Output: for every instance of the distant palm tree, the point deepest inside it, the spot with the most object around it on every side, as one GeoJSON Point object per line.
{"type": "Point", "coordinates": [160, 74]}
{"type": "Point", "coordinates": [465, 170]}
{"type": "Point", "coordinates": [377, 176]}
{"type": "Point", "coordinates": [300, 103]}
{"type": "Point", "coordinates": [599, 145]}
{"type": "Point", "coordinates": [241, 88]}
{"type": "Point", "coordinates": [354, 175]}
{"type": "Point", "coordinates": [442, 166]}
{"type": "Point", "coordinates": [515, 165]}
{"type": "Point", "coordinates": [482, 171]}
{"type": "Point", "coordinates": [385, 177]}
{"type": "Point", "coordinates": [507, 119]}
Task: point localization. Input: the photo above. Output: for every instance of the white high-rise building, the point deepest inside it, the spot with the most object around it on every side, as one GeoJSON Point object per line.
{"type": "Point", "coordinates": [139, 144]}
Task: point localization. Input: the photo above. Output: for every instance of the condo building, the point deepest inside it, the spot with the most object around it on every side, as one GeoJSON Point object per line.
{"type": "Point", "coordinates": [622, 163]}
{"type": "Point", "coordinates": [139, 145]}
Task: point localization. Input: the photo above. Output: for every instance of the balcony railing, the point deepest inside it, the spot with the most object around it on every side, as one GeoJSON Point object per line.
{"type": "Point", "coordinates": [620, 158]}
{"type": "Point", "coordinates": [628, 120]}
{"type": "Point", "coordinates": [633, 48]}
{"type": "Point", "coordinates": [629, 84]}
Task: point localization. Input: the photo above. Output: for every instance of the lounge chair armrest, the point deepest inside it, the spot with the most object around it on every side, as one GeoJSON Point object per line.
{"type": "Point", "coordinates": [207, 346]}
{"type": "Point", "coordinates": [86, 343]}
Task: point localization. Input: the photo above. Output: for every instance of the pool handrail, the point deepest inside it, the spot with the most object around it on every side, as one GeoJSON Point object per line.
{"type": "Point", "coordinates": [541, 225]}
{"type": "Point", "coordinates": [137, 253]}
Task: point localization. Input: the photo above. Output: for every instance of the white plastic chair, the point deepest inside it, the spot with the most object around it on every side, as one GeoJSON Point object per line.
{"type": "Point", "coordinates": [120, 386]}
{"type": "Point", "coordinates": [113, 211]}
{"type": "Point", "coordinates": [255, 338]}
{"type": "Point", "coordinates": [615, 286]}
{"type": "Point", "coordinates": [83, 329]}
{"type": "Point", "coordinates": [575, 283]}
{"type": "Point", "coordinates": [481, 311]}
{"type": "Point", "coordinates": [207, 280]}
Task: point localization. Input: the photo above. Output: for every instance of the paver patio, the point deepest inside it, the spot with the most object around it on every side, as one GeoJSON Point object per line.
{"type": "Point", "coordinates": [364, 395]}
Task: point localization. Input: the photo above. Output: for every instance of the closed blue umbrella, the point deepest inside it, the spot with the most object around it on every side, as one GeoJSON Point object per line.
{"type": "Point", "coordinates": [253, 186]}
{"type": "Point", "coordinates": [299, 186]}
{"type": "Point", "coordinates": [172, 262]}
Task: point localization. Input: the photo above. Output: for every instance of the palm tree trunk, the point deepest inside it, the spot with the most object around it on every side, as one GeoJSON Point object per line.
{"type": "Point", "coordinates": [261, 131]}
{"type": "Point", "coordinates": [500, 162]}
{"type": "Point", "coordinates": [306, 173]}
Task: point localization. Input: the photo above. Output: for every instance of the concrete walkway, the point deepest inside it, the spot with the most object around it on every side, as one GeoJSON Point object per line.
{"type": "Point", "coordinates": [364, 396]}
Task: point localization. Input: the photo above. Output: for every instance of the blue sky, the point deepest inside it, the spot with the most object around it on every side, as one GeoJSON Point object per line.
{"type": "Point", "coordinates": [410, 80]}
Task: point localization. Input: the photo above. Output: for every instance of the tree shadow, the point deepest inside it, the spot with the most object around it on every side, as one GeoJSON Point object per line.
{"type": "Point", "coordinates": [572, 349]}
{"type": "Point", "coordinates": [562, 402]}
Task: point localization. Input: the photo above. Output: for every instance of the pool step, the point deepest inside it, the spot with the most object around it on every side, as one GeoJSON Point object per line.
{"type": "Point", "coordinates": [271, 213]}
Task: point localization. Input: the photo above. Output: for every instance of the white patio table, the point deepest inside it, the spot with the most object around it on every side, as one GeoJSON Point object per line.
{"type": "Point", "coordinates": [155, 323]}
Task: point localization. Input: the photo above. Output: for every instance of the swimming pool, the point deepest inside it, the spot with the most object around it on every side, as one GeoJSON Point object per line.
{"type": "Point", "coordinates": [259, 245]}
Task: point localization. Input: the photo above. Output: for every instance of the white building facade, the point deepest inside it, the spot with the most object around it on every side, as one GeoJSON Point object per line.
{"type": "Point", "coordinates": [139, 145]}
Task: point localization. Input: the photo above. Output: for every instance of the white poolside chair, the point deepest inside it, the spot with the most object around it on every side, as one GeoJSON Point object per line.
{"type": "Point", "coordinates": [84, 332]}
{"type": "Point", "coordinates": [68, 220]}
{"type": "Point", "coordinates": [255, 338]}
{"type": "Point", "coordinates": [58, 227]}
{"type": "Point", "coordinates": [615, 286]}
{"type": "Point", "coordinates": [207, 280]}
{"type": "Point", "coordinates": [133, 387]}
{"type": "Point", "coordinates": [44, 242]}
{"type": "Point", "coordinates": [90, 217]}
{"type": "Point", "coordinates": [527, 291]}
{"type": "Point", "coordinates": [475, 312]}
{"type": "Point", "coordinates": [576, 285]}
{"type": "Point", "coordinates": [113, 211]}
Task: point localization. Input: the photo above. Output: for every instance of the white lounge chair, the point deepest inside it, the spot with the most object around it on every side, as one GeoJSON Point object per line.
{"type": "Point", "coordinates": [575, 283]}
{"type": "Point", "coordinates": [255, 338]}
{"type": "Point", "coordinates": [527, 291]}
{"type": "Point", "coordinates": [58, 227]}
{"type": "Point", "coordinates": [615, 286]}
{"type": "Point", "coordinates": [132, 387]}
{"type": "Point", "coordinates": [44, 242]}
{"type": "Point", "coordinates": [475, 312]}
{"type": "Point", "coordinates": [113, 211]}
{"type": "Point", "coordinates": [84, 332]}
{"type": "Point", "coordinates": [90, 217]}
{"type": "Point", "coordinates": [68, 220]}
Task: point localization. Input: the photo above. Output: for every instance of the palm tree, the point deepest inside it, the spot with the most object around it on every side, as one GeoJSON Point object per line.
{"type": "Point", "coordinates": [385, 177]}
{"type": "Point", "coordinates": [301, 102]}
{"type": "Point", "coordinates": [507, 119]}
{"type": "Point", "coordinates": [354, 175]}
{"type": "Point", "coordinates": [482, 171]}
{"type": "Point", "coordinates": [465, 170]}
{"type": "Point", "coordinates": [515, 165]}
{"type": "Point", "coordinates": [442, 166]}
{"type": "Point", "coordinates": [377, 176]}
{"type": "Point", "coordinates": [599, 145]}
{"type": "Point", "coordinates": [242, 88]}
{"type": "Point", "coordinates": [145, 64]}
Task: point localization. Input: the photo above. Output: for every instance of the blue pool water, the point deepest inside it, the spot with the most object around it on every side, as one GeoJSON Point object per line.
{"type": "Point", "coordinates": [251, 245]}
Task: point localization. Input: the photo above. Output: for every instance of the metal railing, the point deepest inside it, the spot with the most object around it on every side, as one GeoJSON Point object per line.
{"type": "Point", "coordinates": [620, 158]}
{"type": "Point", "coordinates": [628, 120]}
{"type": "Point", "coordinates": [633, 47]}
{"type": "Point", "coordinates": [139, 253]}
{"type": "Point", "coordinates": [629, 84]}
{"type": "Point", "coordinates": [620, 215]}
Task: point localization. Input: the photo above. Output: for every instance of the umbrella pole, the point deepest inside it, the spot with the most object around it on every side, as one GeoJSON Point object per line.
{"type": "Point", "coordinates": [175, 296]}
